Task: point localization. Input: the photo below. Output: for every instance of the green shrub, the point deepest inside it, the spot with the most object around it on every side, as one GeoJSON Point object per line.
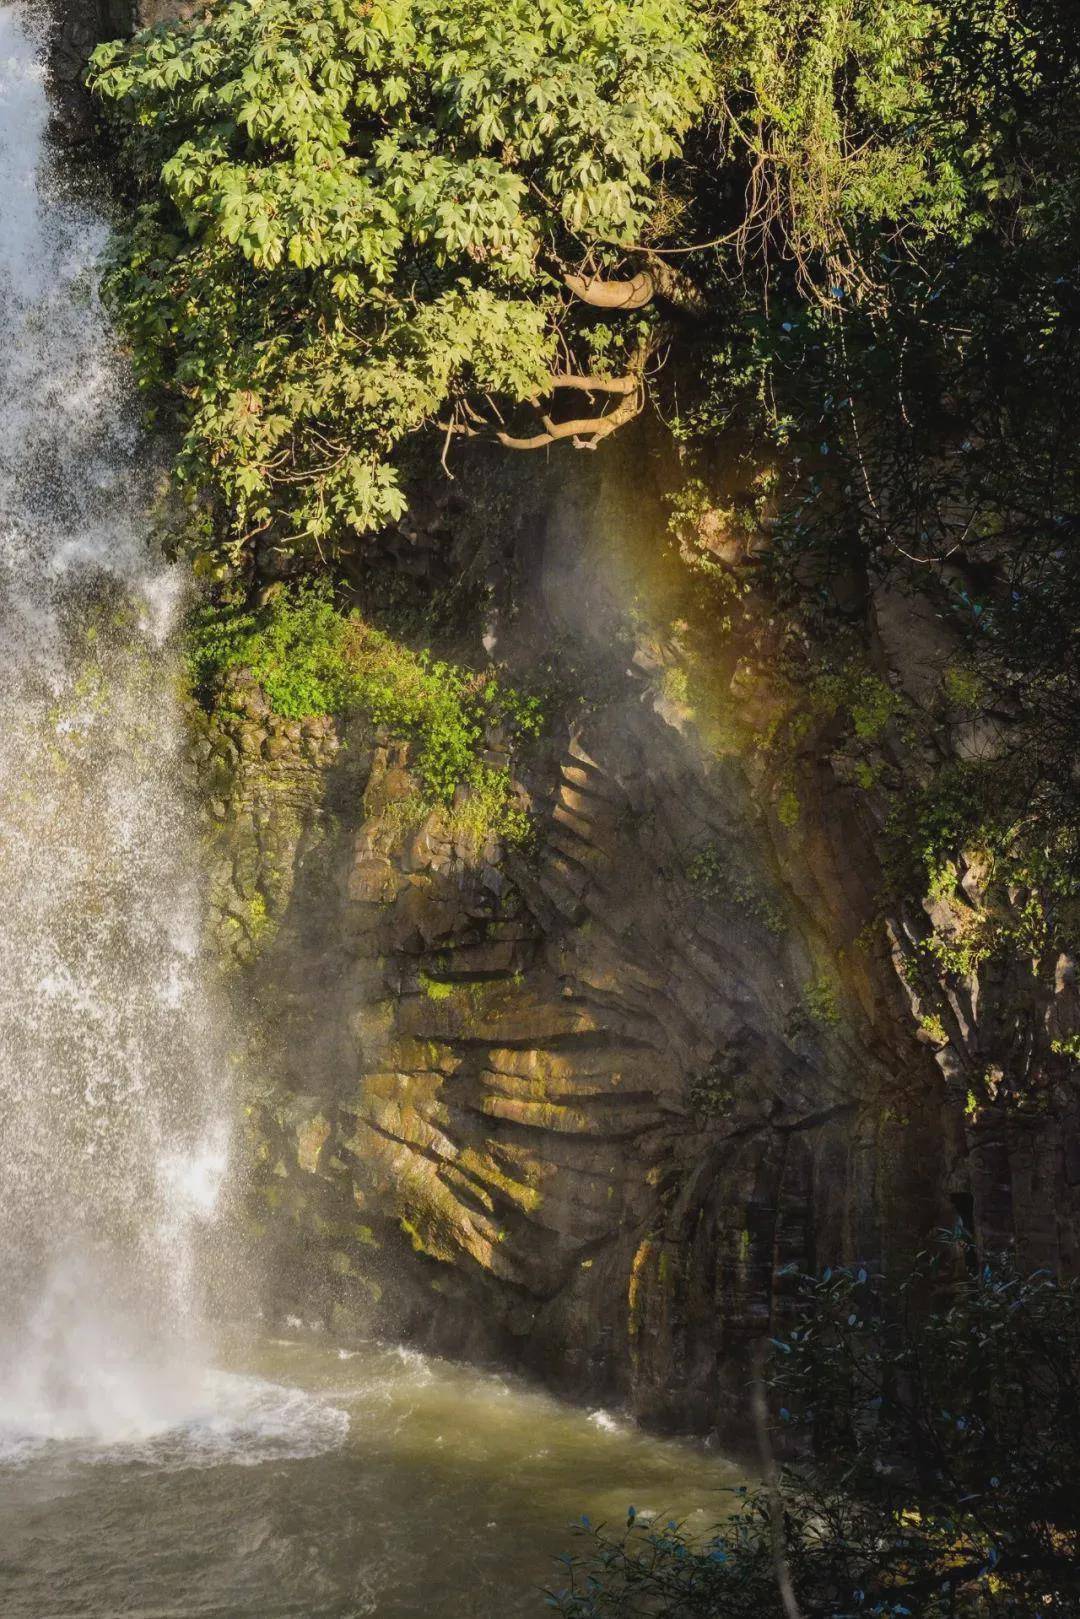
{"type": "Point", "coordinates": [963, 686]}
{"type": "Point", "coordinates": [311, 658]}
{"type": "Point", "coordinates": [943, 1479]}
{"type": "Point", "coordinates": [1028, 889]}
{"type": "Point", "coordinates": [296, 648]}
{"type": "Point", "coordinates": [860, 695]}
{"type": "Point", "coordinates": [821, 999]}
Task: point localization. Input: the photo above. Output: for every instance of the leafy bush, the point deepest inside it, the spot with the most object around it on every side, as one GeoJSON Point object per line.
{"type": "Point", "coordinates": [943, 1484]}
{"type": "Point", "coordinates": [310, 658]}
{"type": "Point", "coordinates": [359, 221]}
{"type": "Point", "coordinates": [981, 812]}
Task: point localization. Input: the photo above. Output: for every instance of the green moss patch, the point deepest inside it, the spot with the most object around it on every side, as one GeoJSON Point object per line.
{"type": "Point", "coordinates": [311, 657]}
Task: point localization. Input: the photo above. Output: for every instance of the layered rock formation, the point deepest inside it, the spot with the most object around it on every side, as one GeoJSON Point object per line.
{"type": "Point", "coordinates": [586, 1107]}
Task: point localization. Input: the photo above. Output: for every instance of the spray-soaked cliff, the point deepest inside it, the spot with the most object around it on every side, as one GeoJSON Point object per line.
{"type": "Point", "coordinates": [586, 1106]}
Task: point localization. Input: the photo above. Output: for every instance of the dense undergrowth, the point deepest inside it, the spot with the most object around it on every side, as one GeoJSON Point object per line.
{"type": "Point", "coordinates": [942, 1482]}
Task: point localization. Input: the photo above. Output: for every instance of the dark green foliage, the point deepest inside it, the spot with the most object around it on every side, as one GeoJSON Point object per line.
{"type": "Point", "coordinates": [946, 1418]}
{"type": "Point", "coordinates": [904, 331]}
{"type": "Point", "coordinates": [980, 814]}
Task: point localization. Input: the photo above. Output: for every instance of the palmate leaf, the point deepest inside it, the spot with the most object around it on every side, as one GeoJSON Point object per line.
{"type": "Point", "coordinates": [372, 190]}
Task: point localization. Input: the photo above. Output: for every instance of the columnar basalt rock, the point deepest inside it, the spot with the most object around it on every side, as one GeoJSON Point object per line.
{"type": "Point", "coordinates": [584, 1107]}
{"type": "Point", "coordinates": [542, 1108]}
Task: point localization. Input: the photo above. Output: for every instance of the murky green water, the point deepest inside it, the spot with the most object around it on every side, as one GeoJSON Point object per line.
{"type": "Point", "coordinates": [314, 1481]}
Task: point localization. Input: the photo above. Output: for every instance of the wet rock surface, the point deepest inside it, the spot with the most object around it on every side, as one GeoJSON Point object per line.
{"type": "Point", "coordinates": [585, 1107]}
{"type": "Point", "coordinates": [75, 28]}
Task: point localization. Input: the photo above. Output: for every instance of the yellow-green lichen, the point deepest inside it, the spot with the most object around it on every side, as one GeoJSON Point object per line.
{"type": "Point", "coordinates": [788, 808]}
{"type": "Point", "coordinates": [435, 988]}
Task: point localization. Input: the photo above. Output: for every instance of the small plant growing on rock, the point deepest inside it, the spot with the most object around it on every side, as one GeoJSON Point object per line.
{"type": "Point", "coordinates": [715, 875]}
{"type": "Point", "coordinates": [821, 1000]}
{"type": "Point", "coordinates": [310, 657]}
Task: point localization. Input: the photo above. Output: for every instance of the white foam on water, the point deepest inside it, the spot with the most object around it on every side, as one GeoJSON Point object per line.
{"type": "Point", "coordinates": [245, 1420]}
{"type": "Point", "coordinates": [417, 1362]}
{"type": "Point", "coordinates": [223, 1419]}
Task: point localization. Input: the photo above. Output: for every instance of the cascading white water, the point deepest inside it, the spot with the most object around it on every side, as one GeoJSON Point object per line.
{"type": "Point", "coordinates": [113, 1132]}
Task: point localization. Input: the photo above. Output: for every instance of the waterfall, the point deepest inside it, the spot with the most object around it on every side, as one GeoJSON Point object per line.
{"type": "Point", "coordinates": [113, 1083]}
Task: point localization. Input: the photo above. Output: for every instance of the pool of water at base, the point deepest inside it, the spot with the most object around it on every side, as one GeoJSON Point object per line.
{"type": "Point", "coordinates": [308, 1480]}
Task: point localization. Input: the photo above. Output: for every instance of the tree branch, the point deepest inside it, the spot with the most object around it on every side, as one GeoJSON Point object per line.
{"type": "Point", "coordinates": [632, 294]}
{"type": "Point", "coordinates": [599, 385]}
{"type": "Point", "coordinates": [586, 431]}
{"type": "Point", "coordinates": [659, 280]}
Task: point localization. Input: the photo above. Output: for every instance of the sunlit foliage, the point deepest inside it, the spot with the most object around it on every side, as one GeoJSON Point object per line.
{"type": "Point", "coordinates": [357, 220]}
{"type": "Point", "coordinates": [311, 657]}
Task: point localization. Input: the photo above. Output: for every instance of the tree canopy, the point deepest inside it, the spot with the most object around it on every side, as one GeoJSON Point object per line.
{"type": "Point", "coordinates": [852, 227]}
{"type": "Point", "coordinates": [357, 221]}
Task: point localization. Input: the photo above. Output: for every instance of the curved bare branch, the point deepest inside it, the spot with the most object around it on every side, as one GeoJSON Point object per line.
{"type": "Point", "coordinates": [659, 280]}
{"type": "Point", "coordinates": [598, 385]}
{"type": "Point", "coordinates": [601, 294]}
{"type": "Point", "coordinates": [586, 432]}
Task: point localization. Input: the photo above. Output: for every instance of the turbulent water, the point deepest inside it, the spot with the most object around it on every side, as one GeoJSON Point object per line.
{"type": "Point", "coordinates": [113, 1081]}
{"type": "Point", "coordinates": [336, 1484]}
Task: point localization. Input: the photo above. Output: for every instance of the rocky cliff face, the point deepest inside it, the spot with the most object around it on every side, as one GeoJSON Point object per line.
{"type": "Point", "coordinates": [582, 1108]}
{"type": "Point", "coordinates": [75, 27]}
